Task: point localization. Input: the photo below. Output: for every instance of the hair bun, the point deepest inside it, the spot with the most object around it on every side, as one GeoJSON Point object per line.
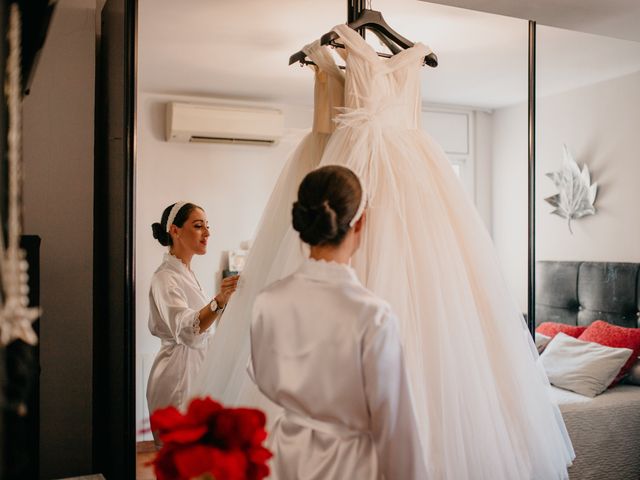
{"type": "Point", "coordinates": [328, 199]}
{"type": "Point", "coordinates": [316, 224]}
{"type": "Point", "coordinates": [160, 234]}
{"type": "Point", "coordinates": [157, 230]}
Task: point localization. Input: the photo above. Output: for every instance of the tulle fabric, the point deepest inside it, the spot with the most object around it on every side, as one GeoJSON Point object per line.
{"type": "Point", "coordinates": [482, 401]}
{"type": "Point", "coordinates": [224, 375]}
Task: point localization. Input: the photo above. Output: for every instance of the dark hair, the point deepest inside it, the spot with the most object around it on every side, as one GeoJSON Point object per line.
{"type": "Point", "coordinates": [160, 229]}
{"type": "Point", "coordinates": [328, 198]}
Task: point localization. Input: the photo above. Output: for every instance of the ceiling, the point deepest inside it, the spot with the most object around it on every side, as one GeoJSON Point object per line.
{"type": "Point", "coordinates": [216, 48]}
{"type": "Point", "coordinates": [612, 18]}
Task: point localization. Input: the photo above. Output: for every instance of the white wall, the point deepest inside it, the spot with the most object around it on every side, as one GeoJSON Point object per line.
{"type": "Point", "coordinates": [509, 197]}
{"type": "Point", "coordinates": [483, 143]}
{"type": "Point", "coordinates": [231, 182]}
{"type": "Point", "coordinates": [600, 125]}
{"type": "Point", "coordinates": [465, 135]}
{"type": "Point", "coordinates": [58, 195]}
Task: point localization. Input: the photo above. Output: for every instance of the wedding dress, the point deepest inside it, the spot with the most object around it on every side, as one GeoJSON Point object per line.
{"type": "Point", "coordinates": [483, 403]}
{"type": "Point", "coordinates": [224, 374]}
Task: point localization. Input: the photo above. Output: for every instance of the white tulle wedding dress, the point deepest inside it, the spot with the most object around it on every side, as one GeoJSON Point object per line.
{"type": "Point", "coordinates": [224, 373]}
{"type": "Point", "coordinates": [481, 399]}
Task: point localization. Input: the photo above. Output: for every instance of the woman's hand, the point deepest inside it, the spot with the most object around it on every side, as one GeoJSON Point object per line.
{"type": "Point", "coordinates": [227, 287]}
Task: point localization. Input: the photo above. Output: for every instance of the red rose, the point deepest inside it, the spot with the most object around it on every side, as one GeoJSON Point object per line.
{"type": "Point", "coordinates": [173, 427]}
{"type": "Point", "coordinates": [258, 472]}
{"type": "Point", "coordinates": [249, 423]}
{"type": "Point", "coordinates": [164, 465]}
{"type": "Point", "coordinates": [230, 465]}
{"type": "Point", "coordinates": [223, 429]}
{"type": "Point", "coordinates": [193, 460]}
{"type": "Point", "coordinates": [186, 434]}
{"type": "Point", "coordinates": [259, 455]}
{"type": "Point", "coordinates": [211, 439]}
{"type": "Point", "coordinates": [166, 419]}
{"type": "Point", "coordinates": [259, 436]}
{"type": "Point", "coordinates": [201, 410]}
{"type": "Point", "coordinates": [258, 468]}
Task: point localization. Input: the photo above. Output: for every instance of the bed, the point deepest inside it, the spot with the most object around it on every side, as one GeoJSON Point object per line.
{"type": "Point", "coordinates": [605, 430]}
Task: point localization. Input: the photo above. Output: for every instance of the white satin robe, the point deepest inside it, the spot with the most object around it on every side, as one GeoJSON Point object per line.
{"type": "Point", "coordinates": [175, 299]}
{"type": "Point", "coordinates": [327, 350]}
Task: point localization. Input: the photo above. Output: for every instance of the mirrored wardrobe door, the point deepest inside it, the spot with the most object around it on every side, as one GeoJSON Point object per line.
{"type": "Point", "coordinates": [217, 57]}
{"type": "Point", "coordinates": [587, 230]}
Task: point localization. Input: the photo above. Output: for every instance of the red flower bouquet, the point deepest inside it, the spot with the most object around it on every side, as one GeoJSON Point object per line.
{"type": "Point", "coordinates": [210, 440]}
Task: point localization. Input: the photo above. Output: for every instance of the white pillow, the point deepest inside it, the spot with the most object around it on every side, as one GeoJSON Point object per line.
{"type": "Point", "coordinates": [586, 368]}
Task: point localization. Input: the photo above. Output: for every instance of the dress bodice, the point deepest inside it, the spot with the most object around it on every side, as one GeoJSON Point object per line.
{"type": "Point", "coordinates": [329, 87]}
{"type": "Point", "coordinates": [384, 89]}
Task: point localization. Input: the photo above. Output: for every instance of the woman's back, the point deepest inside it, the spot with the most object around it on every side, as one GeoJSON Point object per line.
{"type": "Point", "coordinates": [311, 327]}
{"type": "Point", "coordinates": [326, 350]}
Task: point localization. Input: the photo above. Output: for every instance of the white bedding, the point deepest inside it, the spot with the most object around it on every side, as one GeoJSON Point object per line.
{"type": "Point", "coordinates": [605, 432]}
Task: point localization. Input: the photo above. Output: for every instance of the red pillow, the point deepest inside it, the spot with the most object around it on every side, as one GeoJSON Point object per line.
{"type": "Point", "coordinates": [551, 329]}
{"type": "Point", "coordinates": [613, 336]}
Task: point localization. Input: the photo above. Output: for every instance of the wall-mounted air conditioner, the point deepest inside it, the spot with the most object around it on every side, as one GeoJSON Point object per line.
{"type": "Point", "coordinates": [189, 122]}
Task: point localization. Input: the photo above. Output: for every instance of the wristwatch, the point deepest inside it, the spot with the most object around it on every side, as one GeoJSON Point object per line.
{"type": "Point", "coordinates": [215, 308]}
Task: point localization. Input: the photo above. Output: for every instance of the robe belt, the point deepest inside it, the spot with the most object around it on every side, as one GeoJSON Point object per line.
{"type": "Point", "coordinates": [330, 428]}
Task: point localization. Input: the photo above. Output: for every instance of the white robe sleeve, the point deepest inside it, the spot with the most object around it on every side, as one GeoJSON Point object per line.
{"type": "Point", "coordinates": [181, 319]}
{"type": "Point", "coordinates": [393, 421]}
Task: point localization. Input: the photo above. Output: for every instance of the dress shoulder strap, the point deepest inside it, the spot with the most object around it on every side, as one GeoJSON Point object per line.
{"type": "Point", "coordinates": [321, 56]}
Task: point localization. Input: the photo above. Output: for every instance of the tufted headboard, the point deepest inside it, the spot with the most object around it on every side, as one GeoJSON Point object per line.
{"type": "Point", "coordinates": [578, 293]}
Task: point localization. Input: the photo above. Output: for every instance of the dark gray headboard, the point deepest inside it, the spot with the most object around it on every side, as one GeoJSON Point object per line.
{"type": "Point", "coordinates": [578, 293]}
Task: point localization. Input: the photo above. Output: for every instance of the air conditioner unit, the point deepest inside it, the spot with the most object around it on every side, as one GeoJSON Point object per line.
{"type": "Point", "coordinates": [189, 122]}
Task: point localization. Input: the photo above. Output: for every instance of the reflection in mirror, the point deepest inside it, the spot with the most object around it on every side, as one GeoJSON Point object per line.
{"type": "Point", "coordinates": [216, 57]}
{"type": "Point", "coordinates": [587, 231]}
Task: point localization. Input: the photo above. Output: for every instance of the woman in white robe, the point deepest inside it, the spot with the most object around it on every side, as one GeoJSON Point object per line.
{"type": "Point", "coordinates": [327, 351]}
{"type": "Point", "coordinates": [180, 314]}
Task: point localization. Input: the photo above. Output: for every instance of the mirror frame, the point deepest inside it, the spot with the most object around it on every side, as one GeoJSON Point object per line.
{"type": "Point", "coordinates": [114, 436]}
{"type": "Point", "coordinates": [113, 393]}
{"type": "Point", "coordinates": [531, 138]}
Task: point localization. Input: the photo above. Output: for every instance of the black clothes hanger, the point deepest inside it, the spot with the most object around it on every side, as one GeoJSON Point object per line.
{"type": "Point", "coordinates": [302, 57]}
{"type": "Point", "coordinates": [374, 21]}
{"type": "Point", "coordinates": [371, 20]}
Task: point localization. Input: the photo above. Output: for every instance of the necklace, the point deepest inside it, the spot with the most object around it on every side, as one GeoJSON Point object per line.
{"type": "Point", "coordinates": [16, 316]}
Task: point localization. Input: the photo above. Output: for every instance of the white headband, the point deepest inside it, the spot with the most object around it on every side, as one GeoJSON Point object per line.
{"type": "Point", "coordinates": [174, 211]}
{"type": "Point", "coordinates": [362, 206]}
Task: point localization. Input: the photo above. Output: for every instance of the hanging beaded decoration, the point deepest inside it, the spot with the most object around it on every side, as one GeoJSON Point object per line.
{"type": "Point", "coordinates": [16, 316]}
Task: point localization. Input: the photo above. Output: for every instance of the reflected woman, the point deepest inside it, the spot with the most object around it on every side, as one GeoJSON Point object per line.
{"type": "Point", "coordinates": [327, 350]}
{"type": "Point", "coordinates": [181, 315]}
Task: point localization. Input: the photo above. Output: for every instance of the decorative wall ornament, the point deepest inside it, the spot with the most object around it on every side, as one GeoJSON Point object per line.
{"type": "Point", "coordinates": [576, 195]}
{"type": "Point", "coordinates": [15, 315]}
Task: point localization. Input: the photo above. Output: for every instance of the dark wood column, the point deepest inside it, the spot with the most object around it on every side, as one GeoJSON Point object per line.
{"type": "Point", "coordinates": [114, 276]}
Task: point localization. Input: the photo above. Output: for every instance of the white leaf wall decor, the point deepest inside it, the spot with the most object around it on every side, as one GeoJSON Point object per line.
{"type": "Point", "coordinates": [576, 195]}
